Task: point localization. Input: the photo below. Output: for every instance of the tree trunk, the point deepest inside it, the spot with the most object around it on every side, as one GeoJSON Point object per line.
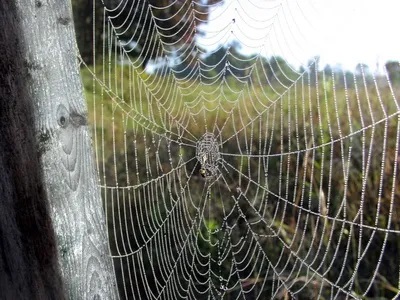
{"type": "Point", "coordinates": [51, 216]}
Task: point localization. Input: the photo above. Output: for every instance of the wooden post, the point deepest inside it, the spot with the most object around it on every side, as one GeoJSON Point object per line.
{"type": "Point", "coordinates": [45, 152]}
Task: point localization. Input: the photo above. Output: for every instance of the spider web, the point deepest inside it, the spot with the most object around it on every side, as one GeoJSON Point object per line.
{"type": "Point", "coordinates": [299, 197]}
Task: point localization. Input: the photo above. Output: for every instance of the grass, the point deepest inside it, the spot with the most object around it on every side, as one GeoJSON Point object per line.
{"type": "Point", "coordinates": [332, 156]}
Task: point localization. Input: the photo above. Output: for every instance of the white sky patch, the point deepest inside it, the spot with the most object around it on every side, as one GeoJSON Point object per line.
{"type": "Point", "coordinates": [341, 32]}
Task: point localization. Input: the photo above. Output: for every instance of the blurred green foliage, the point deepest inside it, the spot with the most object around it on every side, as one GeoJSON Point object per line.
{"type": "Point", "coordinates": [342, 146]}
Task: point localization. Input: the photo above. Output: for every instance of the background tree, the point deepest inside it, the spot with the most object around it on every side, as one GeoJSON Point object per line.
{"type": "Point", "coordinates": [328, 70]}
{"type": "Point", "coordinates": [393, 70]}
{"type": "Point", "coordinates": [175, 21]}
{"type": "Point", "coordinates": [215, 62]}
{"type": "Point", "coordinates": [362, 69]}
{"type": "Point", "coordinates": [313, 67]}
{"type": "Point", "coordinates": [83, 21]}
{"type": "Point", "coordinates": [228, 61]}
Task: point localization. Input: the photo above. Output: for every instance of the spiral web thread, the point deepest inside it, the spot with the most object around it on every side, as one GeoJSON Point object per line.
{"type": "Point", "coordinates": [304, 197]}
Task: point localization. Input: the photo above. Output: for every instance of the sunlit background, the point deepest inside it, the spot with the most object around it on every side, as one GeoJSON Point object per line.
{"type": "Point", "coordinates": [342, 33]}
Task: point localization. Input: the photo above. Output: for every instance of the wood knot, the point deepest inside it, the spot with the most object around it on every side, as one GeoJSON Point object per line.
{"type": "Point", "coordinates": [64, 20]}
{"type": "Point", "coordinates": [62, 116]}
{"type": "Point", "coordinates": [65, 117]}
{"type": "Point", "coordinates": [43, 140]}
{"type": "Point", "coordinates": [78, 119]}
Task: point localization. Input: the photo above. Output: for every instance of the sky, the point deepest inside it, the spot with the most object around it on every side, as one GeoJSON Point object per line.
{"type": "Point", "coordinates": [341, 32]}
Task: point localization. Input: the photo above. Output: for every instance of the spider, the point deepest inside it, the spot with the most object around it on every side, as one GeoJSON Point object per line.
{"type": "Point", "coordinates": [203, 170]}
{"type": "Point", "coordinates": [208, 156]}
{"type": "Point", "coordinates": [207, 170]}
